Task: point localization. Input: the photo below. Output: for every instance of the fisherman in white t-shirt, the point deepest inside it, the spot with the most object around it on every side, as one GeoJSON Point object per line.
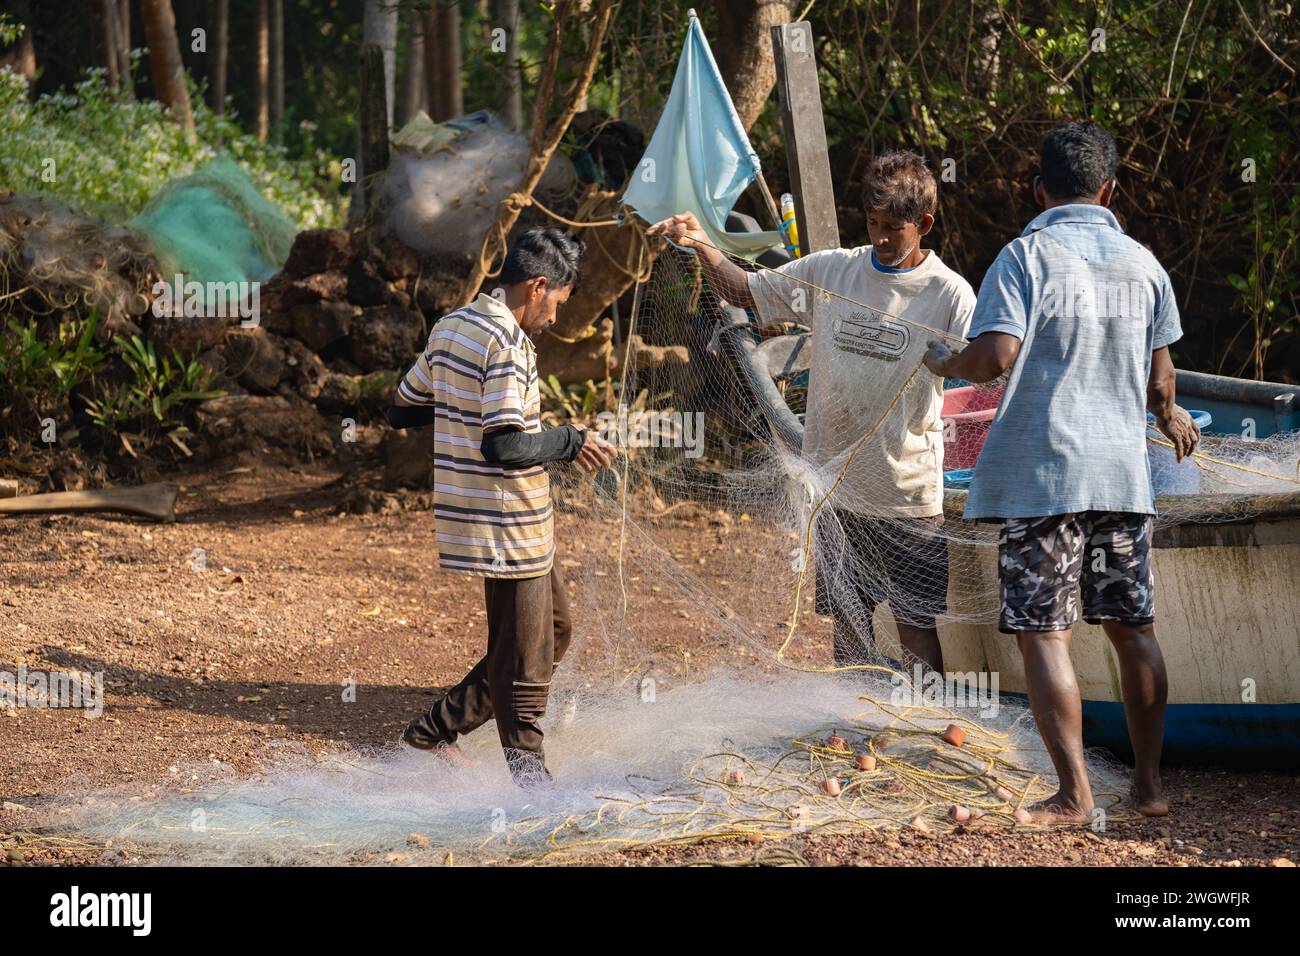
{"type": "Point", "coordinates": [881, 542]}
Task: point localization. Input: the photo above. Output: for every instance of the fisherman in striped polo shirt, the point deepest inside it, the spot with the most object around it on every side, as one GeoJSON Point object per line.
{"type": "Point", "coordinates": [476, 383]}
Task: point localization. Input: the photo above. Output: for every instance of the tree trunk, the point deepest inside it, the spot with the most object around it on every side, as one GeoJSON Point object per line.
{"type": "Point", "coordinates": [507, 15]}
{"type": "Point", "coordinates": [379, 27]}
{"type": "Point", "coordinates": [577, 351]}
{"type": "Point", "coordinates": [277, 70]}
{"type": "Point", "coordinates": [104, 14]}
{"type": "Point", "coordinates": [432, 78]}
{"type": "Point", "coordinates": [413, 85]}
{"type": "Point", "coordinates": [263, 69]}
{"type": "Point", "coordinates": [442, 61]}
{"type": "Point", "coordinates": [124, 47]}
{"type": "Point", "coordinates": [184, 11]}
{"type": "Point", "coordinates": [451, 61]}
{"type": "Point", "coordinates": [373, 115]}
{"type": "Point", "coordinates": [596, 357]}
{"type": "Point", "coordinates": [608, 267]}
{"type": "Point", "coordinates": [220, 55]}
{"type": "Point", "coordinates": [745, 60]}
{"type": "Point", "coordinates": [584, 8]}
{"type": "Point", "coordinates": [165, 61]}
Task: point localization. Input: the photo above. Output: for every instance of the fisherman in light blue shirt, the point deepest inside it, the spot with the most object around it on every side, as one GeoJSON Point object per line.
{"type": "Point", "coordinates": [1083, 316]}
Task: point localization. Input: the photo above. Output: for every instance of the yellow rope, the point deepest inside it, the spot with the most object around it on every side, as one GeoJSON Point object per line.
{"type": "Point", "coordinates": [1228, 464]}
{"type": "Point", "coordinates": [627, 458]}
{"type": "Point", "coordinates": [587, 333]}
{"type": "Point", "coordinates": [573, 223]}
{"type": "Point", "coordinates": [735, 798]}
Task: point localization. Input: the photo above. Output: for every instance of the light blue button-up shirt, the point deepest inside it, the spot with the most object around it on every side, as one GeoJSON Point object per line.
{"type": "Point", "coordinates": [1089, 305]}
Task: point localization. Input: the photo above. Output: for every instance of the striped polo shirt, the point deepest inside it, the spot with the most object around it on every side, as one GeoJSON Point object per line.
{"type": "Point", "coordinates": [479, 372]}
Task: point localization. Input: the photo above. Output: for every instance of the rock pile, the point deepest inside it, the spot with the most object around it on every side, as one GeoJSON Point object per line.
{"type": "Point", "coordinates": [335, 327]}
{"type": "Point", "coordinates": [346, 313]}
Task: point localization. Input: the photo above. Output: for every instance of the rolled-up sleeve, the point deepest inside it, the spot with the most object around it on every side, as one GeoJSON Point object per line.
{"type": "Point", "coordinates": [505, 380]}
{"type": "Point", "coordinates": [1001, 305]}
{"type": "Point", "coordinates": [416, 386]}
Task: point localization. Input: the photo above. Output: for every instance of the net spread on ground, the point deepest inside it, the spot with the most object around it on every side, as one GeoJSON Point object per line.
{"type": "Point", "coordinates": [709, 706]}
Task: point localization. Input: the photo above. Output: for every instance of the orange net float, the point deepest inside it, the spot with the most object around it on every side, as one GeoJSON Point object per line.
{"type": "Point", "coordinates": [954, 735]}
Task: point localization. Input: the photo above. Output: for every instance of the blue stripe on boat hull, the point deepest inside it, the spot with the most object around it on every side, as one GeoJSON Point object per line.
{"type": "Point", "coordinates": [1263, 736]}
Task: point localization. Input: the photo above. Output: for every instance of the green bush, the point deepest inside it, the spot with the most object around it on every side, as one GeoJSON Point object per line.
{"type": "Point", "coordinates": [108, 154]}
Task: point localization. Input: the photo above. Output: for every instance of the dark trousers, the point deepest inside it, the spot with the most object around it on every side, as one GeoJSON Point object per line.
{"type": "Point", "coordinates": [528, 632]}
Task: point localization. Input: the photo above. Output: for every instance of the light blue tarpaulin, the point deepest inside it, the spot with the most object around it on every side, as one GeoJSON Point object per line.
{"type": "Point", "coordinates": [699, 158]}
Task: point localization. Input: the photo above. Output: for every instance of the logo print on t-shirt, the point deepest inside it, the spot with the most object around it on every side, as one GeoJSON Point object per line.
{"type": "Point", "coordinates": [870, 333]}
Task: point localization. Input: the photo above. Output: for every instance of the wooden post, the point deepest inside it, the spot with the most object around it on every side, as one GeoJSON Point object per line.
{"type": "Point", "coordinates": [805, 136]}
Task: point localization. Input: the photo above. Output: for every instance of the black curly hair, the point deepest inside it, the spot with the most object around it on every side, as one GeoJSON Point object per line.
{"type": "Point", "coordinates": [1076, 159]}
{"type": "Point", "coordinates": [552, 253]}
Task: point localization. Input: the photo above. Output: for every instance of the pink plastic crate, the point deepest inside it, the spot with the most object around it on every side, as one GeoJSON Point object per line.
{"type": "Point", "coordinates": [967, 413]}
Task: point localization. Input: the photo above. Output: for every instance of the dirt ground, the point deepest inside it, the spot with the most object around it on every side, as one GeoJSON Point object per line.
{"type": "Point", "coordinates": [297, 596]}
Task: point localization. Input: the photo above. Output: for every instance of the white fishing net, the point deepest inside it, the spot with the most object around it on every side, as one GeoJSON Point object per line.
{"type": "Point", "coordinates": [730, 758]}
{"type": "Point", "coordinates": [708, 706]}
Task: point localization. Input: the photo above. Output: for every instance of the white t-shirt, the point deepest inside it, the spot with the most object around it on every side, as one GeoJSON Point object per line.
{"type": "Point", "coordinates": [860, 361]}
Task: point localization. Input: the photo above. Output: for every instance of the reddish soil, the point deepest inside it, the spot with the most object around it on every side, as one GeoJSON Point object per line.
{"type": "Point", "coordinates": [298, 597]}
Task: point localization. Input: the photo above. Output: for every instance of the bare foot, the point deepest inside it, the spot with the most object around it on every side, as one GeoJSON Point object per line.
{"type": "Point", "coordinates": [1058, 811]}
{"type": "Point", "coordinates": [1149, 799]}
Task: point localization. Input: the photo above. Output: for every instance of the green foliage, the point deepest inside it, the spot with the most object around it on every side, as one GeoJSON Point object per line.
{"type": "Point", "coordinates": [1269, 292]}
{"type": "Point", "coordinates": [10, 29]}
{"type": "Point", "coordinates": [44, 367]}
{"type": "Point", "coordinates": [577, 401]}
{"type": "Point", "coordinates": [39, 372]}
{"type": "Point", "coordinates": [110, 154]}
{"type": "Point", "coordinates": [152, 398]}
{"type": "Point", "coordinates": [378, 384]}
{"type": "Point", "coordinates": [1188, 90]}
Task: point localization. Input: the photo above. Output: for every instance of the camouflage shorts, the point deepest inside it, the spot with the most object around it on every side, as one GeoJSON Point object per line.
{"type": "Point", "coordinates": [1043, 563]}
